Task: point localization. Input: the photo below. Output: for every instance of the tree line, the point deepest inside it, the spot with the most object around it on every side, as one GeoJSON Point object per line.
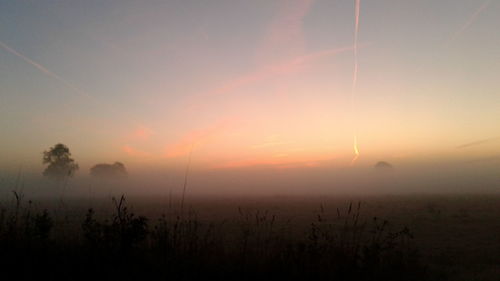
{"type": "Point", "coordinates": [61, 165]}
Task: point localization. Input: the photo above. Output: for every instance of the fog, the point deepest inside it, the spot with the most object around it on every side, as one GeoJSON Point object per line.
{"type": "Point", "coordinates": [430, 178]}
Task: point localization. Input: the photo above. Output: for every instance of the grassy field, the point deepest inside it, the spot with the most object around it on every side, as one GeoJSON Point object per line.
{"type": "Point", "coordinates": [405, 237]}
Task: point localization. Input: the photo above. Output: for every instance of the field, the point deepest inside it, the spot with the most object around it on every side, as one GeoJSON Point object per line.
{"type": "Point", "coordinates": [404, 237]}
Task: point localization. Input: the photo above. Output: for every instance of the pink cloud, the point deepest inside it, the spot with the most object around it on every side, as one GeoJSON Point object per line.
{"type": "Point", "coordinates": [133, 152]}
{"type": "Point", "coordinates": [142, 133]}
{"type": "Point", "coordinates": [290, 66]}
{"type": "Point", "coordinates": [284, 37]}
{"type": "Point", "coordinates": [195, 138]}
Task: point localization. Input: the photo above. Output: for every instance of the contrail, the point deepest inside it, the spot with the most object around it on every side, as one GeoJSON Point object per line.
{"type": "Point", "coordinates": [458, 32]}
{"type": "Point", "coordinates": [355, 74]}
{"type": "Point", "coordinates": [45, 70]}
{"type": "Point", "coordinates": [471, 19]}
{"type": "Point", "coordinates": [356, 30]}
{"type": "Point", "coordinates": [356, 151]}
{"type": "Point", "coordinates": [50, 73]}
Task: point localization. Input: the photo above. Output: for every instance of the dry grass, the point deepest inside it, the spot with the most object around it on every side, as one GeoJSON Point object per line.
{"type": "Point", "coordinates": [253, 245]}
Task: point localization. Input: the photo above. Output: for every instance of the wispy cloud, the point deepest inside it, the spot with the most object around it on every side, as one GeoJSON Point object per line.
{"type": "Point", "coordinates": [195, 138]}
{"type": "Point", "coordinates": [284, 37]}
{"type": "Point", "coordinates": [142, 133]}
{"type": "Point", "coordinates": [270, 144]}
{"type": "Point", "coordinates": [281, 50]}
{"type": "Point", "coordinates": [491, 159]}
{"type": "Point", "coordinates": [271, 141]}
{"type": "Point", "coordinates": [267, 72]}
{"type": "Point", "coordinates": [134, 152]}
{"type": "Point", "coordinates": [478, 142]}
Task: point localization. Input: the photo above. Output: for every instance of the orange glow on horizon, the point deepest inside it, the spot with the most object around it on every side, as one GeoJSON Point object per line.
{"type": "Point", "coordinates": [276, 161]}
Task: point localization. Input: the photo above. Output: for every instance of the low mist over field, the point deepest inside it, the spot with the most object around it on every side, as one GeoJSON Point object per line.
{"type": "Point", "coordinates": [432, 178]}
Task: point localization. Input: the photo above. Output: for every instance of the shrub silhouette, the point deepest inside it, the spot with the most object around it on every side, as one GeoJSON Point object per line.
{"type": "Point", "coordinates": [123, 232]}
{"type": "Point", "coordinates": [116, 170]}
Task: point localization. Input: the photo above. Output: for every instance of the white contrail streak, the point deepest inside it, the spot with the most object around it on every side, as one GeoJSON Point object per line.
{"type": "Point", "coordinates": [356, 151]}
{"type": "Point", "coordinates": [45, 70]}
{"type": "Point", "coordinates": [356, 30]}
{"type": "Point", "coordinates": [355, 75]}
{"type": "Point", "coordinates": [458, 32]}
{"type": "Point", "coordinates": [471, 19]}
{"type": "Point", "coordinates": [50, 73]}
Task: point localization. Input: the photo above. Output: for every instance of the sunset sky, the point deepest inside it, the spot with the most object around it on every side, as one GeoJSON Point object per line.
{"type": "Point", "coordinates": [244, 83]}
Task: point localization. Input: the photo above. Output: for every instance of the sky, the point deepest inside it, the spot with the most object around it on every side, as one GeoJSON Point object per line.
{"type": "Point", "coordinates": [284, 84]}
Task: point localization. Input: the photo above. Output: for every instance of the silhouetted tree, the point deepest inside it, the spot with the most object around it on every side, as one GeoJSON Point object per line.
{"type": "Point", "coordinates": [115, 170]}
{"type": "Point", "coordinates": [60, 163]}
{"type": "Point", "coordinates": [382, 165]}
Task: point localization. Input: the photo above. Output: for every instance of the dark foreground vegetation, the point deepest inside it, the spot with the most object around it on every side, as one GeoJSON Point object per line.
{"type": "Point", "coordinates": [181, 247]}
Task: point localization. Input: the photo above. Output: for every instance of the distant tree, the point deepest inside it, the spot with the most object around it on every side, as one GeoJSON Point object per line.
{"type": "Point", "coordinates": [60, 163]}
{"type": "Point", "coordinates": [382, 165]}
{"type": "Point", "coordinates": [116, 170]}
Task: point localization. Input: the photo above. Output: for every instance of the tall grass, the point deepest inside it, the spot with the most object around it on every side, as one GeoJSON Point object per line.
{"type": "Point", "coordinates": [255, 246]}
